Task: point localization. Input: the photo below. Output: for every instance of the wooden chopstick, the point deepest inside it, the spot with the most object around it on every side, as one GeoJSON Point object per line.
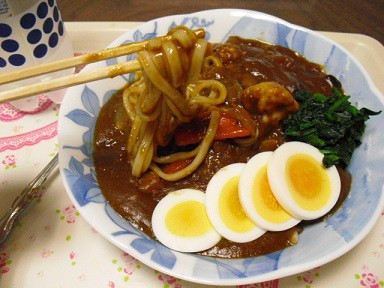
{"type": "Point", "coordinates": [71, 80]}
{"type": "Point", "coordinates": [84, 59]}
{"type": "Point", "coordinates": [81, 78]}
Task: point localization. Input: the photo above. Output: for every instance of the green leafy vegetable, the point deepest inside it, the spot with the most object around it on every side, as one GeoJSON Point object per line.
{"type": "Point", "coordinates": [332, 124]}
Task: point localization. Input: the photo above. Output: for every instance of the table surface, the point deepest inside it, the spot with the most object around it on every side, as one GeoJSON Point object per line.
{"type": "Point", "coordinates": [348, 16]}
{"type": "Point", "coordinates": [47, 248]}
{"type": "Point", "coordinates": [53, 246]}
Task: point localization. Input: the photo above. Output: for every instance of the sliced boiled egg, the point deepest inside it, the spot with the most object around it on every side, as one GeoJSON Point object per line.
{"type": "Point", "coordinates": [300, 182]}
{"type": "Point", "coordinates": [180, 222]}
{"type": "Point", "coordinates": [224, 209]}
{"type": "Point", "coordinates": [257, 199]}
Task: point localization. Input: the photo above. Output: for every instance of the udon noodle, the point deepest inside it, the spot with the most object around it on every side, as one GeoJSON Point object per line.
{"type": "Point", "coordinates": [167, 93]}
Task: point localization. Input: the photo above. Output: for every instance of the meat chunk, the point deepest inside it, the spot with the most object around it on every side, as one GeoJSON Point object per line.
{"type": "Point", "coordinates": [150, 183]}
{"type": "Point", "coordinates": [228, 52]}
{"type": "Point", "coordinates": [270, 100]}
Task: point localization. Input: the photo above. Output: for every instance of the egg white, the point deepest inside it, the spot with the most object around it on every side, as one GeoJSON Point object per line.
{"type": "Point", "coordinates": [280, 187]}
{"type": "Point", "coordinates": [214, 190]}
{"type": "Point", "coordinates": [177, 242]}
{"type": "Point", "coordinates": [246, 196]}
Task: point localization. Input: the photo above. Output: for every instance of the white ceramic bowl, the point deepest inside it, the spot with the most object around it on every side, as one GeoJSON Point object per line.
{"type": "Point", "coordinates": [319, 243]}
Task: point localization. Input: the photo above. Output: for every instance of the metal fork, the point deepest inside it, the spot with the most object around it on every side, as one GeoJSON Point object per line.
{"type": "Point", "coordinates": [24, 199]}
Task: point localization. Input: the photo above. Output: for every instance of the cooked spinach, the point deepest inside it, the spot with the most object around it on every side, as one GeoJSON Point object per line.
{"type": "Point", "coordinates": [332, 124]}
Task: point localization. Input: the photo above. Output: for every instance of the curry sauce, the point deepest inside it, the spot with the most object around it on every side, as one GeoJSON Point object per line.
{"type": "Point", "coordinates": [245, 63]}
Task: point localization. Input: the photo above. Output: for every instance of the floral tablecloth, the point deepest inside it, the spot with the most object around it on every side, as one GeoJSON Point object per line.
{"type": "Point", "coordinates": [53, 246]}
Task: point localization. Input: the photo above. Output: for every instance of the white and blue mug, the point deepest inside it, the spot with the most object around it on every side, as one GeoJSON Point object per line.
{"type": "Point", "coordinates": [32, 33]}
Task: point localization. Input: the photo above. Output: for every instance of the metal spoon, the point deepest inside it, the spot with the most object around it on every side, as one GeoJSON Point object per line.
{"type": "Point", "coordinates": [23, 200]}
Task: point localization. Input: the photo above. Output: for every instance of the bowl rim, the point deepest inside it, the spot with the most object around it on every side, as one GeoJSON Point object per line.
{"type": "Point", "coordinates": [280, 272]}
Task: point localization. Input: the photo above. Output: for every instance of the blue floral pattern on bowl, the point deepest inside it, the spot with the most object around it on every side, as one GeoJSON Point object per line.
{"type": "Point", "coordinates": [318, 244]}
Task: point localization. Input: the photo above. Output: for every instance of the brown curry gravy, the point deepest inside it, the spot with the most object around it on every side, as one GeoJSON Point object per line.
{"type": "Point", "coordinates": [246, 63]}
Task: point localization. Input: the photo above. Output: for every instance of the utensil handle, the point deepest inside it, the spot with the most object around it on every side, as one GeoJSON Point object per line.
{"type": "Point", "coordinates": [23, 200]}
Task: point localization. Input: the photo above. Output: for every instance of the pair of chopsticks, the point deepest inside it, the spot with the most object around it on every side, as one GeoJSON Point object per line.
{"type": "Point", "coordinates": [76, 79]}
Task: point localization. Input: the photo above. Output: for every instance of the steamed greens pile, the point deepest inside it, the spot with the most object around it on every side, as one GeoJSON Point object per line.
{"type": "Point", "coordinates": [332, 124]}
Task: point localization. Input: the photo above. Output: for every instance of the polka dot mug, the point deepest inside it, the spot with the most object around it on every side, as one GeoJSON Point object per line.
{"type": "Point", "coordinates": [32, 33]}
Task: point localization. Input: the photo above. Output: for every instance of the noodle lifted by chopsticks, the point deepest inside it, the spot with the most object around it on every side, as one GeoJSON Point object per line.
{"type": "Point", "coordinates": [166, 93]}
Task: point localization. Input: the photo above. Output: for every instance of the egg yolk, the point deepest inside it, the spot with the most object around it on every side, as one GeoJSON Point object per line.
{"type": "Point", "coordinates": [188, 219]}
{"type": "Point", "coordinates": [308, 182]}
{"type": "Point", "coordinates": [230, 208]}
{"type": "Point", "coordinates": [265, 202]}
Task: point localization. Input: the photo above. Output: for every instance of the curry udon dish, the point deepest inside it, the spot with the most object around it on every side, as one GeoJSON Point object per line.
{"type": "Point", "coordinates": [217, 149]}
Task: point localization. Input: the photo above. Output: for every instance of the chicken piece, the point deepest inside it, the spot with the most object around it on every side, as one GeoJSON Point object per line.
{"type": "Point", "coordinates": [270, 100]}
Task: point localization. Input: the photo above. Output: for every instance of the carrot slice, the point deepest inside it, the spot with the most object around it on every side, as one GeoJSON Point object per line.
{"type": "Point", "coordinates": [194, 131]}
{"type": "Point", "coordinates": [177, 166]}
